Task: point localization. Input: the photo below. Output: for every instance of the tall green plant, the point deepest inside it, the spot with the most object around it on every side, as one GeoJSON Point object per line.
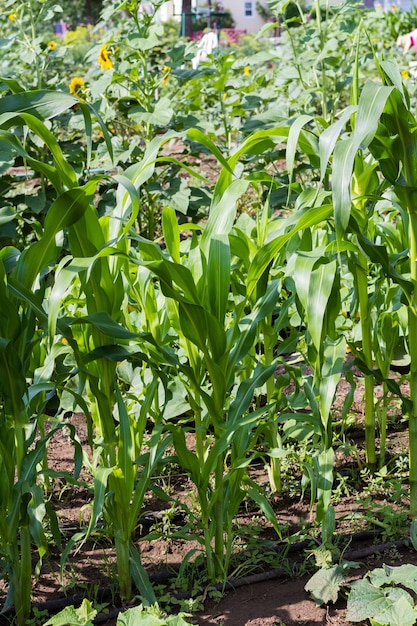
{"type": "Point", "coordinates": [98, 272]}
{"type": "Point", "coordinates": [214, 342]}
{"type": "Point", "coordinates": [384, 124]}
{"type": "Point", "coordinates": [24, 322]}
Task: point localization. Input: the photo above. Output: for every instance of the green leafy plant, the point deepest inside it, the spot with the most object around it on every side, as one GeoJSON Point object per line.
{"type": "Point", "coordinates": [382, 597]}
{"type": "Point", "coordinates": [84, 616]}
{"type": "Point", "coordinates": [70, 616]}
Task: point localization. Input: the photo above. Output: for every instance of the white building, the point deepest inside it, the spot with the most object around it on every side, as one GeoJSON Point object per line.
{"type": "Point", "coordinates": [244, 12]}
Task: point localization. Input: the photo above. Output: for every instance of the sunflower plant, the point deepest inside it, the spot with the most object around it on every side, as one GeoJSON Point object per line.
{"type": "Point", "coordinates": [29, 43]}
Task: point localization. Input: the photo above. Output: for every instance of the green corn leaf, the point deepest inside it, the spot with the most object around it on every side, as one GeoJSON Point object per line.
{"type": "Point", "coordinates": [37, 512]}
{"type": "Point", "coordinates": [46, 104]}
{"type": "Point", "coordinates": [125, 450]}
{"type": "Point", "coordinates": [140, 172]}
{"type": "Point", "coordinates": [245, 392]}
{"type": "Point", "coordinates": [140, 577]}
{"type": "Point", "coordinates": [258, 496]}
{"type": "Point", "coordinates": [192, 171]}
{"type": "Point", "coordinates": [257, 143]}
{"type": "Point", "coordinates": [106, 325]}
{"type": "Point", "coordinates": [320, 288]}
{"type": "Point", "coordinates": [293, 140]}
{"type": "Point", "coordinates": [371, 105]}
{"type": "Point", "coordinates": [89, 111]}
{"type": "Point", "coordinates": [47, 170]}
{"type": "Point", "coordinates": [324, 465]}
{"type": "Point", "coordinates": [65, 211]}
{"type": "Point", "coordinates": [413, 533]}
{"type": "Point", "coordinates": [65, 170]}
{"type": "Point", "coordinates": [101, 476]}
{"type": "Point", "coordinates": [13, 386]}
{"type": "Point", "coordinates": [9, 256]}
{"type": "Point", "coordinates": [170, 272]}
{"type": "Point", "coordinates": [392, 75]}
{"type": "Point", "coordinates": [379, 255]}
{"type": "Point", "coordinates": [69, 207]}
{"type": "Point", "coordinates": [127, 208]}
{"type": "Point", "coordinates": [193, 321]}
{"type": "Point", "coordinates": [188, 460]}
{"type": "Point", "coordinates": [334, 356]}
{"type": "Point", "coordinates": [12, 84]}
{"type": "Point", "coordinates": [231, 430]}
{"type": "Point", "coordinates": [67, 176]}
{"type": "Point", "coordinates": [329, 137]}
{"type": "Point", "coordinates": [372, 101]}
{"type": "Point", "coordinates": [344, 156]}
{"type": "Point", "coordinates": [217, 340]}
{"type": "Point", "coordinates": [158, 444]}
{"type": "Point", "coordinates": [33, 458]}
{"type": "Point", "coordinates": [248, 326]}
{"type": "Point", "coordinates": [64, 275]}
{"type": "Point", "coordinates": [270, 250]}
{"type": "Point", "coordinates": [300, 267]}
{"type": "Point", "coordinates": [171, 233]}
{"type": "Point", "coordinates": [223, 213]}
{"type": "Point", "coordinates": [197, 135]}
{"type": "Point", "coordinates": [218, 276]}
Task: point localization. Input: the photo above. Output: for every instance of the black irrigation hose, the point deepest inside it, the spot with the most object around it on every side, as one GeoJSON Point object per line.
{"type": "Point", "coordinates": [272, 574]}
{"type": "Point", "coordinates": [53, 606]}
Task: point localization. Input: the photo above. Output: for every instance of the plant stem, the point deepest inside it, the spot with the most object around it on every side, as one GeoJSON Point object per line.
{"type": "Point", "coordinates": [322, 38]}
{"type": "Point", "coordinates": [123, 566]}
{"type": "Point", "coordinates": [219, 520]}
{"type": "Point", "coordinates": [22, 570]}
{"type": "Point", "coordinates": [274, 470]}
{"type": "Point", "coordinates": [412, 345]}
{"type": "Point", "coordinates": [383, 425]}
{"type": "Point", "coordinates": [362, 286]}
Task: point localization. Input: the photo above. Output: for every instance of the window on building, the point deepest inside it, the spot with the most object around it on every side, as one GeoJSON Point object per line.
{"type": "Point", "coordinates": [248, 9]}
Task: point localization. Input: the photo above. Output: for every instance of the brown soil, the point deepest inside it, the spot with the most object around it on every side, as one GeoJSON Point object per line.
{"type": "Point", "coordinates": [273, 601]}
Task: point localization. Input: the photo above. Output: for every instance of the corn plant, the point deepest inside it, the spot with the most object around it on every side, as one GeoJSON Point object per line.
{"type": "Point", "coordinates": [100, 336]}
{"type": "Point", "coordinates": [72, 210]}
{"type": "Point", "coordinates": [23, 285]}
{"type": "Point", "coordinates": [384, 124]}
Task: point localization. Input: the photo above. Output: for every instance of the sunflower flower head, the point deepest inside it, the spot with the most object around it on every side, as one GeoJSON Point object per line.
{"type": "Point", "coordinates": [12, 17]}
{"type": "Point", "coordinates": [246, 70]}
{"type": "Point", "coordinates": [104, 58]}
{"type": "Point", "coordinates": [76, 86]}
{"type": "Point", "coordinates": [166, 72]}
{"type": "Point", "coordinates": [405, 74]}
{"type": "Point", "coordinates": [51, 45]}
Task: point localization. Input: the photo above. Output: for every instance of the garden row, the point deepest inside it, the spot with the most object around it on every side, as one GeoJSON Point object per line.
{"type": "Point", "coordinates": [161, 304]}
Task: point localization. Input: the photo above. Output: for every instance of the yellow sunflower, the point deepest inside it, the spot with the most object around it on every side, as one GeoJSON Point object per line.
{"type": "Point", "coordinates": [12, 17]}
{"type": "Point", "coordinates": [51, 45]}
{"type": "Point", "coordinates": [165, 74]}
{"type": "Point", "coordinates": [405, 74]}
{"type": "Point", "coordinates": [104, 58]}
{"type": "Point", "coordinates": [76, 85]}
{"type": "Point", "coordinates": [246, 70]}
